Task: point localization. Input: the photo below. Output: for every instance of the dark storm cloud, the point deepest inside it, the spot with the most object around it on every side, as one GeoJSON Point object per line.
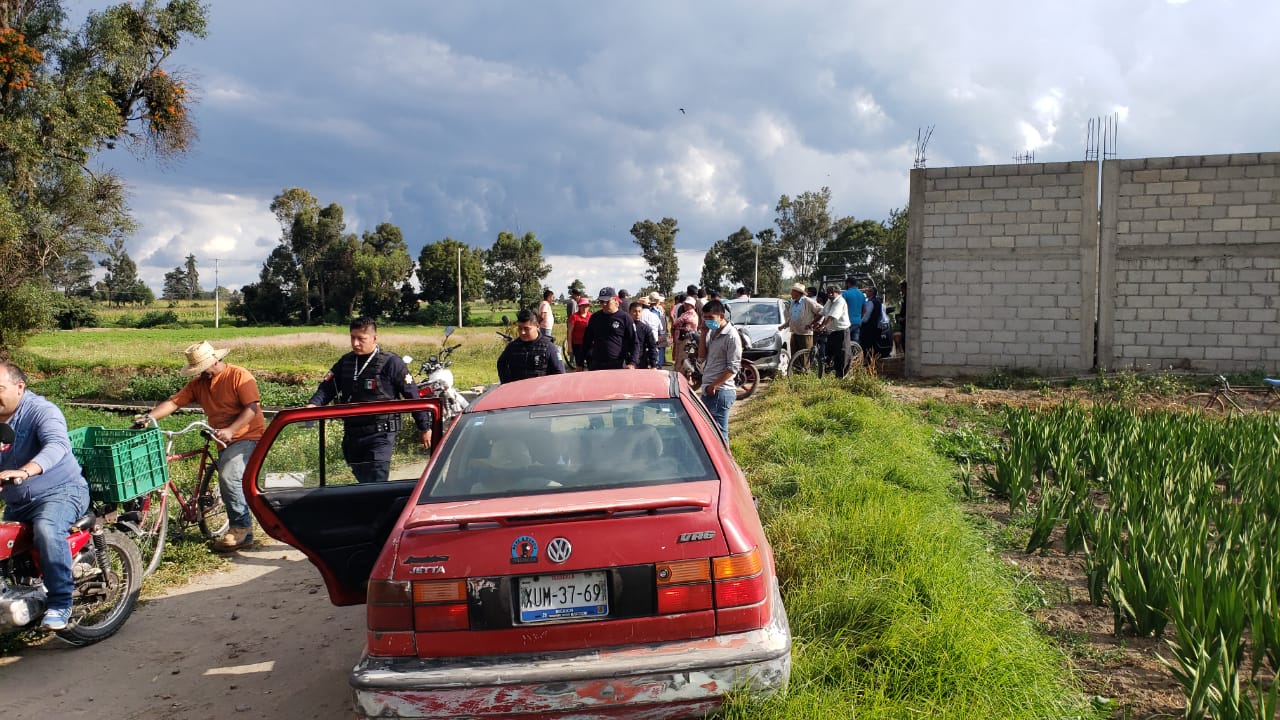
{"type": "Point", "coordinates": [465, 119]}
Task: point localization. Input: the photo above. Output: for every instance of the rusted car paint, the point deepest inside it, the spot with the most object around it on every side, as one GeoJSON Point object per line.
{"type": "Point", "coordinates": [668, 680]}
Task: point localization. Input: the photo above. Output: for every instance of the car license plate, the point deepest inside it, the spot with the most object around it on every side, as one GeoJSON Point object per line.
{"type": "Point", "coordinates": [564, 596]}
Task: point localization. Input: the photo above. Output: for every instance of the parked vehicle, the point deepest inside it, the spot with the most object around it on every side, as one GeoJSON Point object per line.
{"type": "Point", "coordinates": [579, 545]}
{"type": "Point", "coordinates": [437, 379]}
{"type": "Point", "coordinates": [106, 568]}
{"type": "Point", "coordinates": [765, 345]}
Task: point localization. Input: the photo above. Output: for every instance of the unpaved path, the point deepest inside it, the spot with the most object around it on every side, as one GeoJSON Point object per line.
{"type": "Point", "coordinates": [257, 641]}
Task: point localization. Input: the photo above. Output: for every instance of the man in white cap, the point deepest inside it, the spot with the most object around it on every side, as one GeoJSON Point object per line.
{"type": "Point", "coordinates": [802, 313]}
{"type": "Point", "coordinates": [228, 394]}
{"type": "Point", "coordinates": [657, 319]}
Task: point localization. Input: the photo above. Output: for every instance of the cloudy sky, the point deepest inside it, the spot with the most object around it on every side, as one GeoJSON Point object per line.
{"type": "Point", "coordinates": [464, 119]}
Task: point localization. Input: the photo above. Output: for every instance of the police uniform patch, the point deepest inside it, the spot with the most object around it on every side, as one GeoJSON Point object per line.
{"type": "Point", "coordinates": [408, 378]}
{"type": "Point", "coordinates": [327, 377]}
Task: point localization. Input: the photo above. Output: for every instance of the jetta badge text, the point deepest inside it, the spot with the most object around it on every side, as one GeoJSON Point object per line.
{"type": "Point", "coordinates": [697, 536]}
{"type": "Point", "coordinates": [559, 550]}
{"type": "Point", "coordinates": [524, 550]}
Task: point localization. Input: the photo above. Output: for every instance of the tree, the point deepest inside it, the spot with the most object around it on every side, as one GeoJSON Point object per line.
{"type": "Point", "coordinates": [297, 212]}
{"type": "Point", "coordinates": [121, 285]}
{"type": "Point", "coordinates": [578, 286]}
{"type": "Point", "coordinates": [275, 298]}
{"type": "Point", "coordinates": [514, 270]}
{"type": "Point", "coordinates": [849, 252]}
{"type": "Point", "coordinates": [64, 96]}
{"type": "Point", "coordinates": [438, 271]}
{"type": "Point", "coordinates": [805, 227]}
{"type": "Point", "coordinates": [72, 274]}
{"type": "Point", "coordinates": [381, 266]}
{"type": "Point", "coordinates": [769, 282]}
{"type": "Point", "coordinates": [714, 268]}
{"type": "Point", "coordinates": [175, 284]}
{"type": "Point", "coordinates": [657, 241]}
{"type": "Point", "coordinates": [193, 278]}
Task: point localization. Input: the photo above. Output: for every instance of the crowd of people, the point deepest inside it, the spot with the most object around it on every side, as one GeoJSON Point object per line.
{"type": "Point", "coordinates": [845, 317]}
{"type": "Point", "coordinates": [630, 332]}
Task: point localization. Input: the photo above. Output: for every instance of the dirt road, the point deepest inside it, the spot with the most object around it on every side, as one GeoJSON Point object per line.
{"type": "Point", "coordinates": [258, 641]}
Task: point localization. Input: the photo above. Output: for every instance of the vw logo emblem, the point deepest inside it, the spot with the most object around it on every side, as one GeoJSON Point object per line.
{"type": "Point", "coordinates": [559, 550]}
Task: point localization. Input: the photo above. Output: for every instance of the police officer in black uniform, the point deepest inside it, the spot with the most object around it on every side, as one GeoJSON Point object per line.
{"type": "Point", "coordinates": [365, 374]}
{"type": "Point", "coordinates": [531, 354]}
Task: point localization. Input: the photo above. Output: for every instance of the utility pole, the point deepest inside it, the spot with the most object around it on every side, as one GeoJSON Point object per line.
{"type": "Point", "coordinates": [755, 279]}
{"type": "Point", "coordinates": [459, 287]}
{"type": "Point", "coordinates": [216, 298]}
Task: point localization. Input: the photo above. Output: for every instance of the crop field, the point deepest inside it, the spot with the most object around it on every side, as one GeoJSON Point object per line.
{"type": "Point", "coordinates": [1175, 518]}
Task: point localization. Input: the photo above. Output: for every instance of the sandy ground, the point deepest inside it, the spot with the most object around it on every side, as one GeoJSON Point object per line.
{"type": "Point", "coordinates": [260, 640]}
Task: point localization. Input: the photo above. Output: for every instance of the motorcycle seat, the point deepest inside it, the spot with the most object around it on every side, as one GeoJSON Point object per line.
{"type": "Point", "coordinates": [84, 523]}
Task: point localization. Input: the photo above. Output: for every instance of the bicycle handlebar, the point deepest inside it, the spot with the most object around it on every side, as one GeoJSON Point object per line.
{"type": "Point", "coordinates": [205, 429]}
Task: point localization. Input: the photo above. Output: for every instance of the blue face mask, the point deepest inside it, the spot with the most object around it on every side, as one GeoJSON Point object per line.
{"type": "Point", "coordinates": [712, 324]}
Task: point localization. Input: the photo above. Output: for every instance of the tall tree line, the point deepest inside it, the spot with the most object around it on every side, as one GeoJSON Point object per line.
{"type": "Point", "coordinates": [66, 94]}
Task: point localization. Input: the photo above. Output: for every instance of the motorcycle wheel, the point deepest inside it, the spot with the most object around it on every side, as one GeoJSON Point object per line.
{"type": "Point", "coordinates": [746, 380]}
{"type": "Point", "coordinates": [102, 604]}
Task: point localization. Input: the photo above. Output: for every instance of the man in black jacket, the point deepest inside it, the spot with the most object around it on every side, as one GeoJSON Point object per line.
{"type": "Point", "coordinates": [531, 354]}
{"type": "Point", "coordinates": [610, 340]}
{"type": "Point", "coordinates": [366, 374]}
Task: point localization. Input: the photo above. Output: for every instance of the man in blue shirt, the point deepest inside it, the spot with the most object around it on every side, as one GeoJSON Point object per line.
{"type": "Point", "coordinates": [53, 493]}
{"type": "Point", "coordinates": [854, 299]}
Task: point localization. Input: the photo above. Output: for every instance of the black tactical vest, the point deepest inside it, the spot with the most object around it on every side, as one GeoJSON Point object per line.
{"type": "Point", "coordinates": [366, 388]}
{"type": "Point", "coordinates": [523, 360]}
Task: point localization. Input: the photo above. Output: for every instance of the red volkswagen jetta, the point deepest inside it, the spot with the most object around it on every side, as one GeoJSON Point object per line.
{"type": "Point", "coordinates": [578, 545]}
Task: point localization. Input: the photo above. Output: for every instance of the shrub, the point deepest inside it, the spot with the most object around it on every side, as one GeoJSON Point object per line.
{"type": "Point", "coordinates": [72, 313]}
{"type": "Point", "coordinates": [439, 313]}
{"type": "Point", "coordinates": [156, 318]}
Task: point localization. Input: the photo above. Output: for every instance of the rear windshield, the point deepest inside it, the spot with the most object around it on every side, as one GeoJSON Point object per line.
{"type": "Point", "coordinates": [568, 447]}
{"type": "Point", "coordinates": [754, 313]}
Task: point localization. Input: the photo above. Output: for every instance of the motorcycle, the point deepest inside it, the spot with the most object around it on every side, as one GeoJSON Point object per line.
{"type": "Point", "coordinates": [105, 566]}
{"type": "Point", "coordinates": [437, 378]}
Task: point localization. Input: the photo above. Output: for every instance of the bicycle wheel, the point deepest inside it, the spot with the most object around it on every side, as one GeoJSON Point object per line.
{"type": "Point", "coordinates": [801, 362]}
{"type": "Point", "coordinates": [855, 356]}
{"type": "Point", "coordinates": [146, 518]}
{"type": "Point", "coordinates": [1205, 401]}
{"type": "Point", "coordinates": [746, 380]}
{"type": "Point", "coordinates": [213, 512]}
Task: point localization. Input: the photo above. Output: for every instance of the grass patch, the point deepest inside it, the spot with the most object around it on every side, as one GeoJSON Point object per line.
{"type": "Point", "coordinates": [896, 607]}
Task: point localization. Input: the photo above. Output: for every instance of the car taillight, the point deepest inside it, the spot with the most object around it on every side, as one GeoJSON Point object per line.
{"type": "Point", "coordinates": [390, 606]}
{"type": "Point", "coordinates": [683, 586]}
{"type": "Point", "coordinates": [433, 606]}
{"type": "Point", "coordinates": [440, 605]}
{"type": "Point", "coordinates": [739, 579]}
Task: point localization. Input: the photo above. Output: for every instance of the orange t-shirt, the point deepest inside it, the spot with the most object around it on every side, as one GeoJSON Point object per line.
{"type": "Point", "coordinates": [223, 398]}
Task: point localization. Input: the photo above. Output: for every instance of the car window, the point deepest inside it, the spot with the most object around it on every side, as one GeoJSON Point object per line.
{"type": "Point", "coordinates": [754, 313]}
{"type": "Point", "coordinates": [568, 447]}
{"type": "Point", "coordinates": [310, 454]}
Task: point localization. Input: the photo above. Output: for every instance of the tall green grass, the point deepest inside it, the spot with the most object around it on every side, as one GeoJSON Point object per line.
{"type": "Point", "coordinates": [896, 608]}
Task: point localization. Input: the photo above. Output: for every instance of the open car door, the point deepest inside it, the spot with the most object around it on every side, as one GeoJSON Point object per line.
{"type": "Point", "coordinates": [304, 493]}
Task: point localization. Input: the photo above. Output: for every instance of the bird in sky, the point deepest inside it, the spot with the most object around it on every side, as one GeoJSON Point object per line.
{"type": "Point", "coordinates": [682, 112]}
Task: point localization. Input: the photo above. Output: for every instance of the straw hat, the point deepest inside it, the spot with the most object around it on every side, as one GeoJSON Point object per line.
{"type": "Point", "coordinates": [201, 356]}
{"type": "Point", "coordinates": [798, 287]}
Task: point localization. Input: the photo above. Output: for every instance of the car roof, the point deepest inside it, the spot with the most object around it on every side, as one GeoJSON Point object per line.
{"type": "Point", "coordinates": [754, 299]}
{"type": "Point", "coordinates": [579, 387]}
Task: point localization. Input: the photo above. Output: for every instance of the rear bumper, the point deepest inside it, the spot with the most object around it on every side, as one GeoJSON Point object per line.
{"type": "Point", "coordinates": [667, 680]}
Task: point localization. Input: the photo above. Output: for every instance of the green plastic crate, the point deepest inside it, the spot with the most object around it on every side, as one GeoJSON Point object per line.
{"type": "Point", "coordinates": [120, 464]}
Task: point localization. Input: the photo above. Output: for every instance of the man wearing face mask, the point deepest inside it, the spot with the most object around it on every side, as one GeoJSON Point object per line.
{"type": "Point", "coordinates": [723, 360]}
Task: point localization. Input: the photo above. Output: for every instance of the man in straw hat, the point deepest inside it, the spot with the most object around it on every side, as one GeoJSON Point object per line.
{"type": "Point", "coordinates": [228, 394]}
{"type": "Point", "coordinates": [802, 313]}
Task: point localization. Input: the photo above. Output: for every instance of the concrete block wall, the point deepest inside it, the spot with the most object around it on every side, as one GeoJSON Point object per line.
{"type": "Point", "coordinates": [1191, 263]}
{"type": "Point", "coordinates": [1002, 268]}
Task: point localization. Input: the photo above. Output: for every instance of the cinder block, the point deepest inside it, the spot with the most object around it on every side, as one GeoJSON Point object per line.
{"type": "Point", "coordinates": [1243, 185]}
{"type": "Point", "coordinates": [1169, 226]}
{"type": "Point", "coordinates": [1006, 193]}
{"type": "Point", "coordinates": [1200, 199]}
{"type": "Point", "coordinates": [1185, 213]}
{"type": "Point", "coordinates": [1145, 176]}
{"type": "Point", "coordinates": [1256, 224]}
{"type": "Point", "coordinates": [1159, 188]}
{"type": "Point", "coordinates": [1259, 197]}
{"type": "Point", "coordinates": [969, 182]}
{"type": "Point", "coordinates": [995, 181]}
{"type": "Point", "coordinates": [1185, 187]}
{"type": "Point", "coordinates": [1230, 173]}
{"type": "Point", "coordinates": [1156, 214]}
{"type": "Point", "coordinates": [1245, 159]}
{"type": "Point", "coordinates": [1172, 200]}
{"type": "Point", "coordinates": [1242, 211]}
{"type": "Point", "coordinates": [1215, 185]}
{"type": "Point", "coordinates": [1226, 224]}
{"type": "Point", "coordinates": [957, 172]}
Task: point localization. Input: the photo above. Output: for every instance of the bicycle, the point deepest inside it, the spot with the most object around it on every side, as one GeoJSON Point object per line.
{"type": "Point", "coordinates": [149, 516]}
{"type": "Point", "coordinates": [816, 360]}
{"type": "Point", "coordinates": [1225, 397]}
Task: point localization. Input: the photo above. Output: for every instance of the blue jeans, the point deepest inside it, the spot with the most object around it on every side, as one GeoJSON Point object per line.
{"type": "Point", "coordinates": [719, 405]}
{"type": "Point", "coordinates": [231, 462]}
{"type": "Point", "coordinates": [50, 516]}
